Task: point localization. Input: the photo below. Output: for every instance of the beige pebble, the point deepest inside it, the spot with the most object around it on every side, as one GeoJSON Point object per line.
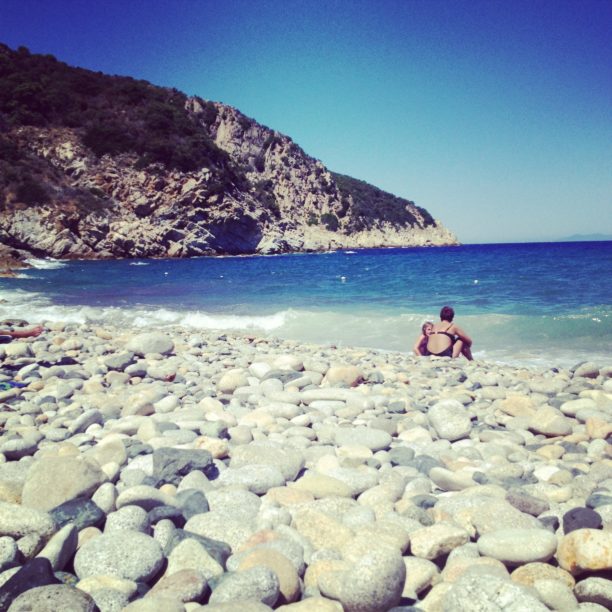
{"type": "Point", "coordinates": [218, 448]}
{"type": "Point", "coordinates": [323, 566]}
{"type": "Point", "coordinates": [551, 451]}
{"type": "Point", "coordinates": [530, 572]}
{"type": "Point", "coordinates": [288, 496]}
{"type": "Point", "coordinates": [585, 550]}
{"type": "Point", "coordinates": [86, 534]}
{"type": "Point", "coordinates": [597, 428]}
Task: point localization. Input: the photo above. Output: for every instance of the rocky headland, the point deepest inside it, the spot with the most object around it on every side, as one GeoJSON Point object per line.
{"type": "Point", "coordinates": [94, 166]}
{"type": "Point", "coordinates": [199, 471]}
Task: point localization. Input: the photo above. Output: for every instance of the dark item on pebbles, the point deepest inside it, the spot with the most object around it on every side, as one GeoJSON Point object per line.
{"type": "Point", "coordinates": [81, 511]}
{"type": "Point", "coordinates": [167, 512]}
{"type": "Point", "coordinates": [598, 499]}
{"type": "Point", "coordinates": [219, 551]}
{"type": "Point", "coordinates": [581, 518]}
{"type": "Point", "coordinates": [550, 522]}
{"type": "Point", "coordinates": [525, 502]}
{"type": "Point", "coordinates": [171, 464]}
{"type": "Point", "coordinates": [571, 447]}
{"type": "Point", "coordinates": [35, 573]}
{"type": "Point", "coordinates": [192, 503]}
{"type": "Point", "coordinates": [138, 448]}
{"type": "Point", "coordinates": [423, 463]}
{"type": "Point", "coordinates": [424, 501]}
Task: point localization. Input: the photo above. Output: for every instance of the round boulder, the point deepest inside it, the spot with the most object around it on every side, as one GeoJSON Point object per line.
{"type": "Point", "coordinates": [154, 342]}
{"type": "Point", "coordinates": [125, 554]}
{"type": "Point", "coordinates": [450, 420]}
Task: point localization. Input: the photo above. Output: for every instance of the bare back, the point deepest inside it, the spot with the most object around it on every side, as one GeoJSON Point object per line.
{"type": "Point", "coordinates": [442, 337]}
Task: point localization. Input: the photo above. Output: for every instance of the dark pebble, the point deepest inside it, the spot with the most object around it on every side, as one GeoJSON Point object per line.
{"type": "Point", "coordinates": [81, 511]}
{"type": "Point", "coordinates": [424, 463]}
{"type": "Point", "coordinates": [527, 503]}
{"type": "Point", "coordinates": [218, 550]}
{"type": "Point", "coordinates": [581, 518]}
{"type": "Point", "coordinates": [480, 478]}
{"type": "Point", "coordinates": [570, 447]}
{"type": "Point", "coordinates": [171, 464]}
{"type": "Point", "coordinates": [532, 448]}
{"type": "Point", "coordinates": [550, 522]}
{"type": "Point", "coordinates": [512, 483]}
{"type": "Point", "coordinates": [149, 480]}
{"type": "Point", "coordinates": [424, 501]}
{"type": "Point", "coordinates": [575, 472]}
{"type": "Point", "coordinates": [36, 572]}
{"type": "Point", "coordinates": [192, 503]}
{"type": "Point", "coordinates": [166, 512]}
{"type": "Point", "coordinates": [598, 499]}
{"type": "Point", "coordinates": [134, 450]}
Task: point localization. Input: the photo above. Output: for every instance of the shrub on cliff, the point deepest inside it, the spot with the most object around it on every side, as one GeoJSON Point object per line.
{"type": "Point", "coordinates": [31, 192]}
{"type": "Point", "coordinates": [371, 204]}
{"type": "Point", "coordinates": [109, 138]}
{"type": "Point", "coordinates": [330, 221]}
{"type": "Point", "coordinates": [114, 114]}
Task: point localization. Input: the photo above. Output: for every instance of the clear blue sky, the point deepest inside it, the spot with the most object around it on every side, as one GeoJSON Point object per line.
{"type": "Point", "coordinates": [494, 115]}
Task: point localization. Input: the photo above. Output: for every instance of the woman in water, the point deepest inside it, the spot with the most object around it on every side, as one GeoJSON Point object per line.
{"type": "Point", "coordinates": [447, 339]}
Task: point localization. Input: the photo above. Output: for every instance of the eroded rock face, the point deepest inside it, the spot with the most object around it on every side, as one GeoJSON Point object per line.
{"type": "Point", "coordinates": [280, 206]}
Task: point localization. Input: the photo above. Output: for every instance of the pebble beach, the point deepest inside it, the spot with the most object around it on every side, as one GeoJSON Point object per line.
{"type": "Point", "coordinates": [187, 471]}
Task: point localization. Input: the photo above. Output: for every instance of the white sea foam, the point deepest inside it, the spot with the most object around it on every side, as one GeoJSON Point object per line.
{"type": "Point", "coordinates": [46, 264]}
{"type": "Point", "coordinates": [138, 263]}
{"type": "Point", "coordinates": [518, 340]}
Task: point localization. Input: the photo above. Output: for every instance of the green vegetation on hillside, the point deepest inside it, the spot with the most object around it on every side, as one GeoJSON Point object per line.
{"type": "Point", "coordinates": [45, 101]}
{"type": "Point", "coordinates": [114, 114]}
{"type": "Point", "coordinates": [371, 204]}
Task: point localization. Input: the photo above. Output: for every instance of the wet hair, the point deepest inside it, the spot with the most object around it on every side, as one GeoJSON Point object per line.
{"type": "Point", "coordinates": [425, 325]}
{"type": "Point", "coordinates": [447, 314]}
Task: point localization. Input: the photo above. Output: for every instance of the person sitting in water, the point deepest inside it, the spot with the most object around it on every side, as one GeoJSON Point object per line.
{"type": "Point", "coordinates": [420, 346]}
{"type": "Point", "coordinates": [447, 339]}
{"type": "Point", "coordinates": [6, 335]}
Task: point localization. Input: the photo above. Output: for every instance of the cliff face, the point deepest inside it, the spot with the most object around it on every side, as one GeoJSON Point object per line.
{"type": "Point", "coordinates": [209, 180]}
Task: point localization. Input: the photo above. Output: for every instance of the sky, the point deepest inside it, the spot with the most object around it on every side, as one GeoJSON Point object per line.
{"type": "Point", "coordinates": [495, 116]}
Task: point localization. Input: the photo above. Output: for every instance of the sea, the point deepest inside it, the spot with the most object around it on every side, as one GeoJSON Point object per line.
{"type": "Point", "coordinates": [540, 304]}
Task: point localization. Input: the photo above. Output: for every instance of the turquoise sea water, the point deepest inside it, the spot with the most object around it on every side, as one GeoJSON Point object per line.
{"type": "Point", "coordinates": [547, 303]}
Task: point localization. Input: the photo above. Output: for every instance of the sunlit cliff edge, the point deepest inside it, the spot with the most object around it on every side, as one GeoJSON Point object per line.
{"type": "Point", "coordinates": [97, 166]}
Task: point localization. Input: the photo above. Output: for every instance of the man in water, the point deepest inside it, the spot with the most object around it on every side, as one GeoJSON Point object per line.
{"type": "Point", "coordinates": [448, 339]}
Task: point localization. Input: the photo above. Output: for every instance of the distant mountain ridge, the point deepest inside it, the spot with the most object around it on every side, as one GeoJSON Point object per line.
{"type": "Point", "coordinates": [587, 238]}
{"type": "Point", "coordinates": [93, 165]}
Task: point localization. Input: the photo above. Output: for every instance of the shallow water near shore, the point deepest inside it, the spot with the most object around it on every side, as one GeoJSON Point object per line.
{"type": "Point", "coordinates": [545, 304]}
